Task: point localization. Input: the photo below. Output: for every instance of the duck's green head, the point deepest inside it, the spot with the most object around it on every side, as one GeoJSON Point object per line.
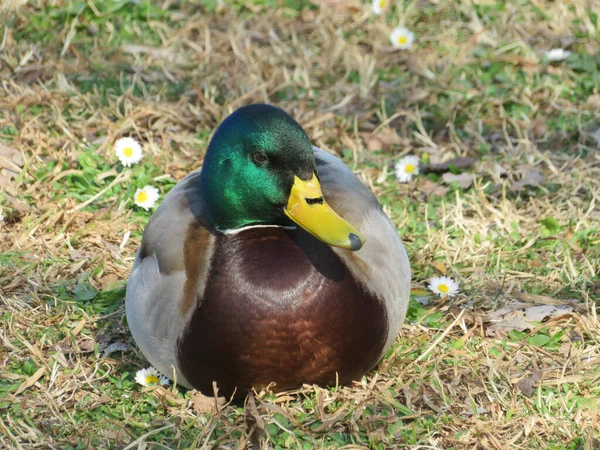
{"type": "Point", "coordinates": [260, 169]}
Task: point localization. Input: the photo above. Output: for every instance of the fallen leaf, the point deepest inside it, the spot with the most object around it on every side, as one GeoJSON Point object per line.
{"type": "Point", "coordinates": [459, 162]}
{"type": "Point", "coordinates": [374, 144]}
{"type": "Point", "coordinates": [499, 171]}
{"type": "Point", "coordinates": [465, 180]}
{"type": "Point", "coordinates": [431, 188]}
{"type": "Point", "coordinates": [592, 103]}
{"type": "Point", "coordinates": [145, 50]}
{"type": "Point", "coordinates": [523, 316]}
{"type": "Point", "coordinates": [530, 177]}
{"type": "Point", "coordinates": [526, 384]}
{"type": "Point", "coordinates": [166, 394]}
{"type": "Point", "coordinates": [116, 347]}
{"type": "Point", "coordinates": [383, 140]}
{"type": "Point", "coordinates": [539, 126]}
{"type": "Point", "coordinates": [595, 135]}
{"type": "Point", "coordinates": [78, 327]}
{"type": "Point", "coordinates": [31, 380]}
{"type": "Point", "coordinates": [349, 6]}
{"type": "Point", "coordinates": [86, 345]}
{"type": "Point", "coordinates": [202, 404]}
{"type": "Point", "coordinates": [109, 282]}
{"type": "Point", "coordinates": [254, 421]}
{"type": "Point", "coordinates": [417, 95]}
{"type": "Point", "coordinates": [11, 161]}
{"type": "Point", "coordinates": [541, 299]}
{"type": "Point", "coordinates": [439, 266]}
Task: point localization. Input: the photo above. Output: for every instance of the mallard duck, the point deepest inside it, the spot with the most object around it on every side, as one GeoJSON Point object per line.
{"type": "Point", "coordinates": [273, 263]}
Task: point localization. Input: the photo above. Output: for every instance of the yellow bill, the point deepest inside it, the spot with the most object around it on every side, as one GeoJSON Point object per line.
{"type": "Point", "coordinates": [307, 207]}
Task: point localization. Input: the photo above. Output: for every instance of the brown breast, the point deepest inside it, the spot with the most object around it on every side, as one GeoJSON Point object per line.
{"type": "Point", "coordinates": [279, 306]}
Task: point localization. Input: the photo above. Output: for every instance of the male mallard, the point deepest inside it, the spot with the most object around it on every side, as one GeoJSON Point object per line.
{"type": "Point", "coordinates": [227, 288]}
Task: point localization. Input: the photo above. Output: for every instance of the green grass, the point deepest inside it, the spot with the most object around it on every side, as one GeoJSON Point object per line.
{"type": "Point", "coordinates": [124, 68]}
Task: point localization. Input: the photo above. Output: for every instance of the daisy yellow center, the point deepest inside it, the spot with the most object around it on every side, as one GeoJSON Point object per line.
{"type": "Point", "coordinates": [443, 288]}
{"type": "Point", "coordinates": [402, 40]}
{"type": "Point", "coordinates": [152, 379]}
{"type": "Point", "coordinates": [410, 168]}
{"type": "Point", "coordinates": [142, 197]}
{"type": "Point", "coordinates": [128, 151]}
{"type": "Point", "coordinates": [382, 3]}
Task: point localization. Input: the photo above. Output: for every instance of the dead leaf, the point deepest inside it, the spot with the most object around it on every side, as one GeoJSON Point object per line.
{"type": "Point", "coordinates": [109, 282]}
{"type": "Point", "coordinates": [417, 95]}
{"type": "Point", "coordinates": [202, 404]}
{"type": "Point", "coordinates": [499, 171]}
{"type": "Point", "coordinates": [595, 135]}
{"type": "Point", "coordinates": [522, 316]}
{"type": "Point", "coordinates": [530, 177]}
{"type": "Point", "coordinates": [31, 380]}
{"type": "Point", "coordinates": [86, 345]}
{"type": "Point", "coordinates": [374, 144]}
{"type": "Point", "coordinates": [465, 180]}
{"type": "Point", "coordinates": [459, 162]}
{"type": "Point", "coordinates": [539, 126]}
{"type": "Point", "coordinates": [383, 140]}
{"type": "Point", "coordinates": [166, 394]}
{"type": "Point", "coordinates": [526, 384]}
{"type": "Point", "coordinates": [431, 188]}
{"type": "Point", "coordinates": [592, 103]}
{"type": "Point", "coordinates": [540, 299]}
{"type": "Point", "coordinates": [78, 327]}
{"type": "Point", "coordinates": [146, 50]}
{"type": "Point", "coordinates": [11, 161]}
{"type": "Point", "coordinates": [116, 347]}
{"type": "Point", "coordinates": [349, 6]}
{"type": "Point", "coordinates": [439, 266]}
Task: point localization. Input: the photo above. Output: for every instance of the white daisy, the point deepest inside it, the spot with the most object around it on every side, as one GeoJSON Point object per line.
{"type": "Point", "coordinates": [557, 54]}
{"type": "Point", "coordinates": [443, 286]}
{"type": "Point", "coordinates": [128, 151]}
{"type": "Point", "coordinates": [379, 6]}
{"type": "Point", "coordinates": [146, 197]}
{"type": "Point", "coordinates": [151, 377]}
{"type": "Point", "coordinates": [406, 168]}
{"type": "Point", "coordinates": [401, 37]}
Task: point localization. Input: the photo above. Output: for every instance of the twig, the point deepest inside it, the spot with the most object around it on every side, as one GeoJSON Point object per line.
{"type": "Point", "coordinates": [144, 436]}
{"type": "Point", "coordinates": [121, 177]}
{"type": "Point", "coordinates": [440, 337]}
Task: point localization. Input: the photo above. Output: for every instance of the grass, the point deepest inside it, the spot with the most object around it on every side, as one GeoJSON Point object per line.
{"type": "Point", "coordinates": [78, 75]}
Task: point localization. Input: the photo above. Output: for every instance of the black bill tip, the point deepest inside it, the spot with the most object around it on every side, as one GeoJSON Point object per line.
{"type": "Point", "coordinates": [355, 242]}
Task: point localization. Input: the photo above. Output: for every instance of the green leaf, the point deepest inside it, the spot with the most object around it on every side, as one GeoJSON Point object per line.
{"type": "Point", "coordinates": [87, 161]}
{"type": "Point", "coordinates": [84, 292]}
{"type": "Point", "coordinates": [29, 367]}
{"type": "Point", "coordinates": [516, 335]}
{"type": "Point", "coordinates": [539, 340]}
{"type": "Point", "coordinates": [551, 224]}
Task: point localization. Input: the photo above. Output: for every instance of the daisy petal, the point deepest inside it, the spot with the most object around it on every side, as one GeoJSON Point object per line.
{"type": "Point", "coordinates": [379, 6]}
{"type": "Point", "coordinates": [557, 54]}
{"type": "Point", "coordinates": [406, 168]}
{"type": "Point", "coordinates": [443, 286]}
{"type": "Point", "coordinates": [128, 150]}
{"type": "Point", "coordinates": [402, 38]}
{"type": "Point", "coordinates": [146, 197]}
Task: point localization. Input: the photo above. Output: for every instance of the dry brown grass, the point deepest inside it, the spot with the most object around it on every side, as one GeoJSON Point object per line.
{"type": "Point", "coordinates": [169, 80]}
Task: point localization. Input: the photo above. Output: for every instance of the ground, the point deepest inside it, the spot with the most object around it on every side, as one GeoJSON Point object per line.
{"type": "Point", "coordinates": [510, 211]}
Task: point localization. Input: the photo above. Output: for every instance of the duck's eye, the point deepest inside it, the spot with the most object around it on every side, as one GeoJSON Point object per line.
{"type": "Point", "coordinates": [259, 158]}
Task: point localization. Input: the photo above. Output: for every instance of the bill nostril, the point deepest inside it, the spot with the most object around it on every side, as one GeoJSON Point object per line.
{"type": "Point", "coordinates": [315, 201]}
{"type": "Point", "coordinates": [355, 242]}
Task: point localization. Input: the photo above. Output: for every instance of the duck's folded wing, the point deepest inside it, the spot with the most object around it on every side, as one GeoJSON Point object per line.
{"type": "Point", "coordinates": [167, 275]}
{"type": "Point", "coordinates": [167, 232]}
{"type": "Point", "coordinates": [382, 264]}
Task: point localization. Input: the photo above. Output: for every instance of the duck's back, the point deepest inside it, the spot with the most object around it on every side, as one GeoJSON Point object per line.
{"type": "Point", "coordinates": [267, 304]}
